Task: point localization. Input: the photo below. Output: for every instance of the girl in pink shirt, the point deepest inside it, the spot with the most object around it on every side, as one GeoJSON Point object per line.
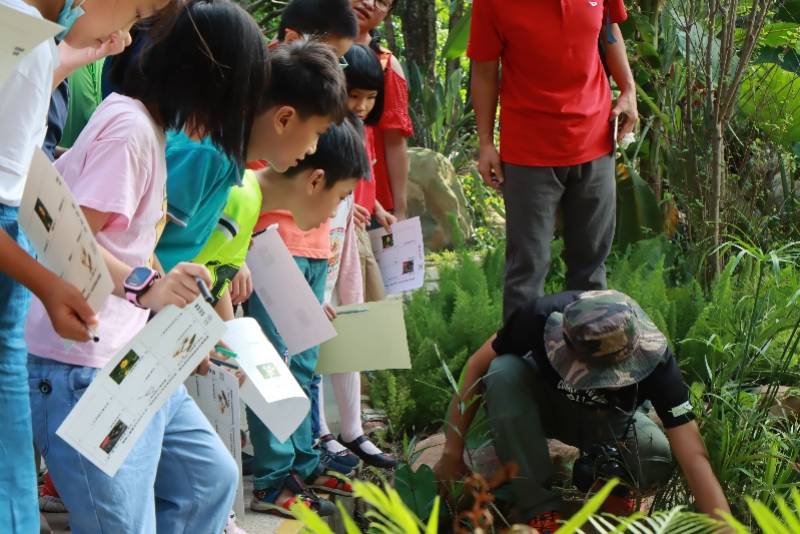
{"type": "Point", "coordinates": [179, 477]}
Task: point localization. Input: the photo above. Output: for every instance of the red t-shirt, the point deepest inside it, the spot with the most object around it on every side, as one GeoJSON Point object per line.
{"type": "Point", "coordinates": [555, 101]}
{"type": "Point", "coordinates": [395, 117]}
{"type": "Point", "coordinates": [364, 194]}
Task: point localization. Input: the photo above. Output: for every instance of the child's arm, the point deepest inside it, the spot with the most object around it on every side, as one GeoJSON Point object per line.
{"type": "Point", "coordinates": [68, 310]}
{"type": "Point", "coordinates": [461, 413]}
{"type": "Point", "coordinates": [224, 307]}
{"type": "Point", "coordinates": [241, 286]}
{"type": "Point", "coordinates": [383, 217]}
{"type": "Point", "coordinates": [690, 451]}
{"type": "Point", "coordinates": [178, 287]}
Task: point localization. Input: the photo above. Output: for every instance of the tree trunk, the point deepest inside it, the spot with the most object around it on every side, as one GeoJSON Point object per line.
{"type": "Point", "coordinates": [389, 32]}
{"type": "Point", "coordinates": [419, 34]}
{"type": "Point", "coordinates": [717, 175]}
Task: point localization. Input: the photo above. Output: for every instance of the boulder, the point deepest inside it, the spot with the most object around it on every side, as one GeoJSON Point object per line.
{"type": "Point", "coordinates": [485, 461]}
{"type": "Point", "coordinates": [436, 196]}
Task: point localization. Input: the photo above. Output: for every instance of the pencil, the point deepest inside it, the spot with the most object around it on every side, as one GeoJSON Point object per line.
{"type": "Point", "coordinates": [224, 364]}
{"type": "Point", "coordinates": [201, 285]}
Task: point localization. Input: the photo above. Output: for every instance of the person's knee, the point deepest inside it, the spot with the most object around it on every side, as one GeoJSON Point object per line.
{"type": "Point", "coordinates": [506, 375]}
{"type": "Point", "coordinates": [654, 457]}
{"type": "Point", "coordinates": [226, 477]}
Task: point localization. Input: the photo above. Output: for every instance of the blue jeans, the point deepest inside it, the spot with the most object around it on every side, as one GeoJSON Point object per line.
{"type": "Point", "coordinates": [179, 477]}
{"type": "Point", "coordinates": [275, 460]}
{"type": "Point", "coordinates": [19, 510]}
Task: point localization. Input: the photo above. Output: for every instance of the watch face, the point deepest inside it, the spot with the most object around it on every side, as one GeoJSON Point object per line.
{"type": "Point", "coordinates": [138, 277]}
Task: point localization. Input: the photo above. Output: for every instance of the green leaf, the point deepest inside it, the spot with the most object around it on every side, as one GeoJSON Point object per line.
{"type": "Point", "coordinates": [638, 213]}
{"type": "Point", "coordinates": [416, 488]}
{"type": "Point", "coordinates": [457, 40]}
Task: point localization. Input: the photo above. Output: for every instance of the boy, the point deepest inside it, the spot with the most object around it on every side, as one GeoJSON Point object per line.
{"type": "Point", "coordinates": [577, 366]}
{"type": "Point", "coordinates": [311, 192]}
{"type": "Point", "coordinates": [296, 111]}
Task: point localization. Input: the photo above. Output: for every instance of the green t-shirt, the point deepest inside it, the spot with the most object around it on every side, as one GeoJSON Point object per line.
{"type": "Point", "coordinates": [85, 94]}
{"type": "Point", "coordinates": [226, 250]}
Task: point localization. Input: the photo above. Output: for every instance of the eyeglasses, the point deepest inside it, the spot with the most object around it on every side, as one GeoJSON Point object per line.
{"type": "Point", "coordinates": [384, 5]}
{"type": "Point", "coordinates": [343, 64]}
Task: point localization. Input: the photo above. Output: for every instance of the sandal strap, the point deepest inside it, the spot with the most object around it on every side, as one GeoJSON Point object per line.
{"type": "Point", "coordinates": [326, 438]}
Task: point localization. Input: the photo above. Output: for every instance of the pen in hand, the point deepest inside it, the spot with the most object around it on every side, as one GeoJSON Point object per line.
{"type": "Point", "coordinates": [201, 285]}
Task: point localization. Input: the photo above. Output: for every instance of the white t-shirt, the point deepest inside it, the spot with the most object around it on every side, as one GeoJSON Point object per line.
{"type": "Point", "coordinates": [24, 101]}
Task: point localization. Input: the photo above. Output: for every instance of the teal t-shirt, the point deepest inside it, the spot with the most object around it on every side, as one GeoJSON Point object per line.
{"type": "Point", "coordinates": [199, 179]}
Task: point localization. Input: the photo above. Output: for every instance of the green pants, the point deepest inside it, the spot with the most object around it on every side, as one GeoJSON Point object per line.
{"type": "Point", "coordinates": [273, 460]}
{"type": "Point", "coordinates": [524, 411]}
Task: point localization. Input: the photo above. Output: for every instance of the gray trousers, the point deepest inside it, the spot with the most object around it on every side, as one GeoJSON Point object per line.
{"type": "Point", "coordinates": [587, 196]}
{"type": "Point", "coordinates": [524, 411]}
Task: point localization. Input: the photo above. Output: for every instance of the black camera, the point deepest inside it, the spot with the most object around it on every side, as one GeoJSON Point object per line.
{"type": "Point", "coordinates": [601, 462]}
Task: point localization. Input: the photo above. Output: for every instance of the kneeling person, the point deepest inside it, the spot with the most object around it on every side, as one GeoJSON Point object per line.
{"type": "Point", "coordinates": [577, 366]}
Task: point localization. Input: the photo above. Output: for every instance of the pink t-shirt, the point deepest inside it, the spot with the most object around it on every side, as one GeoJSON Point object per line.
{"type": "Point", "coordinates": [116, 166]}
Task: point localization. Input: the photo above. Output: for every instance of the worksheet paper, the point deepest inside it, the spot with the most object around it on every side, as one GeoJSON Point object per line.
{"type": "Point", "coordinates": [400, 255]}
{"type": "Point", "coordinates": [371, 337]}
{"type": "Point", "coordinates": [122, 399]}
{"type": "Point", "coordinates": [270, 390]}
{"type": "Point", "coordinates": [19, 33]}
{"type": "Point", "coordinates": [217, 395]}
{"type": "Point", "coordinates": [284, 292]}
{"type": "Point", "coordinates": [59, 233]}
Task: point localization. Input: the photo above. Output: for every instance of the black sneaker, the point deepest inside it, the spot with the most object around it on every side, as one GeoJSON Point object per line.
{"type": "Point", "coordinates": [343, 457]}
{"type": "Point", "coordinates": [381, 459]}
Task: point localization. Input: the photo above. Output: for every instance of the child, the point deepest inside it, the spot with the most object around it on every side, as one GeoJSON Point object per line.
{"type": "Point", "coordinates": [25, 98]}
{"type": "Point", "coordinates": [391, 167]}
{"type": "Point", "coordinates": [179, 476]}
{"type": "Point", "coordinates": [365, 98]}
{"type": "Point", "coordinates": [282, 469]}
{"type": "Point", "coordinates": [200, 177]}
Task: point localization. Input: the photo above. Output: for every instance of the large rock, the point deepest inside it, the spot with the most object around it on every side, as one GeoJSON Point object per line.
{"type": "Point", "coordinates": [436, 196]}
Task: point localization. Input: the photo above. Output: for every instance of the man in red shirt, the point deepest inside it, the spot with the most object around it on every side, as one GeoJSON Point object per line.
{"type": "Point", "coordinates": [556, 131]}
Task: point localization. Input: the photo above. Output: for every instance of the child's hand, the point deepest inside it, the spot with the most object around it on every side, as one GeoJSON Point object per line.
{"type": "Point", "coordinates": [178, 287]}
{"type": "Point", "coordinates": [241, 286]}
{"type": "Point", "coordinates": [384, 218]}
{"type": "Point", "coordinates": [329, 311]}
{"type": "Point", "coordinates": [361, 215]}
{"type": "Point", "coordinates": [69, 312]}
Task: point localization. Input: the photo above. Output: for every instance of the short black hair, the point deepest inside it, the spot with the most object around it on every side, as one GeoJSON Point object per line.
{"type": "Point", "coordinates": [320, 18]}
{"type": "Point", "coordinates": [308, 77]}
{"type": "Point", "coordinates": [205, 65]}
{"type": "Point", "coordinates": [364, 71]}
{"type": "Point", "coordinates": [340, 153]}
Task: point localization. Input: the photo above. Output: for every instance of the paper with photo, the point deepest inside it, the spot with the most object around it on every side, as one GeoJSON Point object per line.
{"type": "Point", "coordinates": [122, 399]}
{"type": "Point", "coordinates": [284, 292]}
{"type": "Point", "coordinates": [217, 396]}
{"type": "Point", "coordinates": [270, 389]}
{"type": "Point", "coordinates": [57, 229]}
{"type": "Point", "coordinates": [371, 337]}
{"type": "Point", "coordinates": [19, 34]}
{"type": "Point", "coordinates": [400, 255]}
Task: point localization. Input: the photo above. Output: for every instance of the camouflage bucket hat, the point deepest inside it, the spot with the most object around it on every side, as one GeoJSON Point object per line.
{"type": "Point", "coordinates": [603, 340]}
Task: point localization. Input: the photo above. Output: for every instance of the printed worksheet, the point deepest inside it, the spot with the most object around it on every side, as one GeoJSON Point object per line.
{"type": "Point", "coordinates": [115, 409]}
{"type": "Point", "coordinates": [19, 33]}
{"type": "Point", "coordinates": [400, 255]}
{"type": "Point", "coordinates": [217, 396]}
{"type": "Point", "coordinates": [270, 390]}
{"type": "Point", "coordinates": [371, 337]}
{"type": "Point", "coordinates": [58, 231]}
{"type": "Point", "coordinates": [285, 294]}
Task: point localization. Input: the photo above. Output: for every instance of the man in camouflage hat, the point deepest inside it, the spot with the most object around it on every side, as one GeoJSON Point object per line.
{"type": "Point", "coordinates": [577, 366]}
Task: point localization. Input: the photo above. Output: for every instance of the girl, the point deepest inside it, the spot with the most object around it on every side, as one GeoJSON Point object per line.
{"type": "Point", "coordinates": [24, 100]}
{"type": "Point", "coordinates": [348, 281]}
{"type": "Point", "coordinates": [179, 477]}
{"type": "Point", "coordinates": [391, 150]}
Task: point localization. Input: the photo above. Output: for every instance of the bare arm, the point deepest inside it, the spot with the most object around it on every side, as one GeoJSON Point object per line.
{"type": "Point", "coordinates": [617, 60]}
{"type": "Point", "coordinates": [690, 451]}
{"type": "Point", "coordinates": [485, 91]}
{"type": "Point", "coordinates": [462, 411]}
{"type": "Point", "coordinates": [224, 307]}
{"type": "Point", "coordinates": [396, 150]}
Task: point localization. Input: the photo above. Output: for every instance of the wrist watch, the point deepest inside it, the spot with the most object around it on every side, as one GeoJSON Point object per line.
{"type": "Point", "coordinates": [138, 283]}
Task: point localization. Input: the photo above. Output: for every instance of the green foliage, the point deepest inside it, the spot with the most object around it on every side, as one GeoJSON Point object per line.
{"type": "Point", "coordinates": [416, 488]}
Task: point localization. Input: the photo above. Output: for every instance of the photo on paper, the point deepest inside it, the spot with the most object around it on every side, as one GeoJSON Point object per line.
{"type": "Point", "coordinates": [408, 266]}
{"type": "Point", "coordinates": [43, 214]}
{"type": "Point", "coordinates": [186, 347]}
{"type": "Point", "coordinates": [268, 370]}
{"type": "Point", "coordinates": [124, 367]}
{"type": "Point", "coordinates": [224, 402]}
{"type": "Point", "coordinates": [86, 260]}
{"type": "Point", "coordinates": [387, 241]}
{"type": "Point", "coordinates": [113, 437]}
